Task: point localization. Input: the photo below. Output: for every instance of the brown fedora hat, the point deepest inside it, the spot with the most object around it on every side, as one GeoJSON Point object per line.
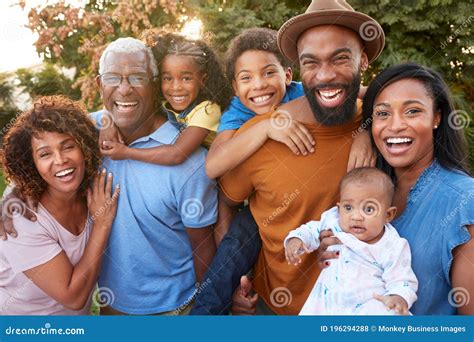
{"type": "Point", "coordinates": [331, 12]}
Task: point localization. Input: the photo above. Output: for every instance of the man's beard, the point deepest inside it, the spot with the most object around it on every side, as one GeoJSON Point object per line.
{"type": "Point", "coordinates": [334, 116]}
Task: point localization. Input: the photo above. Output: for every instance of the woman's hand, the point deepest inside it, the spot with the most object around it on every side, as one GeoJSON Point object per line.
{"type": "Point", "coordinates": [326, 239]}
{"type": "Point", "coordinates": [283, 128]}
{"type": "Point", "coordinates": [293, 249]}
{"type": "Point", "coordinates": [362, 154]}
{"type": "Point", "coordinates": [69, 284]}
{"type": "Point", "coordinates": [102, 203]}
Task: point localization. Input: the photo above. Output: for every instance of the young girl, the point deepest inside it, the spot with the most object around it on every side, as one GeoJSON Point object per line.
{"type": "Point", "coordinates": [193, 89]}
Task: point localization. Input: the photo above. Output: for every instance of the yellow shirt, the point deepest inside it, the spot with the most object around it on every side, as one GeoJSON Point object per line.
{"type": "Point", "coordinates": [205, 115]}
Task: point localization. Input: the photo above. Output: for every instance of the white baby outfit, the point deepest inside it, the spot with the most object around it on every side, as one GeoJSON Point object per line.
{"type": "Point", "coordinates": [346, 287]}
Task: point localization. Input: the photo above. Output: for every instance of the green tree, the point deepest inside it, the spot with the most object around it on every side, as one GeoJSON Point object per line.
{"type": "Point", "coordinates": [227, 21]}
{"type": "Point", "coordinates": [47, 81]}
{"type": "Point", "coordinates": [8, 109]}
{"type": "Point", "coordinates": [436, 33]}
{"type": "Point", "coordinates": [75, 37]}
{"type": "Point", "coordinates": [6, 92]}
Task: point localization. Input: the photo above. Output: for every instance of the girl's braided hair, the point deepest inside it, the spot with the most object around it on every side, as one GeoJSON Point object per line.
{"type": "Point", "coordinates": [217, 88]}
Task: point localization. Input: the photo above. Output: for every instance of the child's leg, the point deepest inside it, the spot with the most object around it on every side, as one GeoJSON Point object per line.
{"type": "Point", "coordinates": [236, 255]}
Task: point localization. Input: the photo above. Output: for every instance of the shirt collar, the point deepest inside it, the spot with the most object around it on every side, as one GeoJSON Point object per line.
{"type": "Point", "coordinates": [165, 134]}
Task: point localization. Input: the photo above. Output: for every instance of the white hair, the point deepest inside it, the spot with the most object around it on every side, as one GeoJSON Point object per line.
{"type": "Point", "coordinates": [128, 45]}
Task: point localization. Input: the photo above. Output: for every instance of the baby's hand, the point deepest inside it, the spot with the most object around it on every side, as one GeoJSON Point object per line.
{"type": "Point", "coordinates": [294, 248]}
{"type": "Point", "coordinates": [394, 302]}
{"type": "Point", "coordinates": [115, 150]}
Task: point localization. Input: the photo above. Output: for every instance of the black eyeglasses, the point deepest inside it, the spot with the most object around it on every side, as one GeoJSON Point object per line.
{"type": "Point", "coordinates": [135, 80]}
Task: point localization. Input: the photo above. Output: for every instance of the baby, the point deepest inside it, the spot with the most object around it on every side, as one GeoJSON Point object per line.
{"type": "Point", "coordinates": [373, 274]}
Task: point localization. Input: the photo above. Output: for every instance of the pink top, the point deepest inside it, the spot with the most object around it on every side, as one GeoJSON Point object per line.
{"type": "Point", "coordinates": [37, 243]}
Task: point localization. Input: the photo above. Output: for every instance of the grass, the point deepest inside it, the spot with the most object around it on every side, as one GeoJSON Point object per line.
{"type": "Point", "coordinates": [2, 184]}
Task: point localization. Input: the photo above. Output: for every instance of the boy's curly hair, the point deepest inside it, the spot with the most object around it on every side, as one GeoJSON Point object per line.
{"type": "Point", "coordinates": [48, 114]}
{"type": "Point", "coordinates": [217, 88]}
{"type": "Point", "coordinates": [260, 39]}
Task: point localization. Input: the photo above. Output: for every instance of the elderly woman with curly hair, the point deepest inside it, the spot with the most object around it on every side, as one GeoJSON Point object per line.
{"type": "Point", "coordinates": [51, 154]}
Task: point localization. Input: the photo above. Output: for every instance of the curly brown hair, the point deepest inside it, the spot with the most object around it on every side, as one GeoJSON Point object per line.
{"type": "Point", "coordinates": [48, 114]}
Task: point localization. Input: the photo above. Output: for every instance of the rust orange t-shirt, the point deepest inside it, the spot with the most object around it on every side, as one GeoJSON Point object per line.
{"type": "Point", "coordinates": [285, 191]}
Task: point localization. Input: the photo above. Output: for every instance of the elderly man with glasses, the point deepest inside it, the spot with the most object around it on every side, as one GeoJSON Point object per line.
{"type": "Point", "coordinates": [162, 238]}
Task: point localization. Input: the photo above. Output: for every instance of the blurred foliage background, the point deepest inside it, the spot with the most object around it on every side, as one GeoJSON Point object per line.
{"type": "Point", "coordinates": [436, 33]}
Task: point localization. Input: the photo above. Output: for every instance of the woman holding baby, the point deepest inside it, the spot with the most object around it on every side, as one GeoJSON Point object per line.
{"type": "Point", "coordinates": [415, 129]}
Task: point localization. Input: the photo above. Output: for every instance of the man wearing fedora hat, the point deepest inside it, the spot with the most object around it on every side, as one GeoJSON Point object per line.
{"type": "Point", "coordinates": [333, 45]}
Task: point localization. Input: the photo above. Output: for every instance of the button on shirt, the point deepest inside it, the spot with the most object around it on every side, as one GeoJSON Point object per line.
{"type": "Point", "coordinates": [148, 263]}
{"type": "Point", "coordinates": [440, 207]}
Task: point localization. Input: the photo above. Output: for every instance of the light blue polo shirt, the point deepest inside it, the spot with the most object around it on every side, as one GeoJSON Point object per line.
{"type": "Point", "coordinates": [148, 264]}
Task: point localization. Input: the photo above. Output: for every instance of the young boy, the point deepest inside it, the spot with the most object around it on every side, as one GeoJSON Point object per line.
{"type": "Point", "coordinates": [373, 274]}
{"type": "Point", "coordinates": [262, 80]}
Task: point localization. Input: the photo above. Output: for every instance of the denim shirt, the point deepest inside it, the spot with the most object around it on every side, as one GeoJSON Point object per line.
{"type": "Point", "coordinates": [439, 208]}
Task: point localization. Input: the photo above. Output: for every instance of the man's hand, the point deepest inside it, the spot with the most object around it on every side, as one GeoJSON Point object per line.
{"type": "Point", "coordinates": [14, 204]}
{"type": "Point", "coordinates": [115, 150]}
{"type": "Point", "coordinates": [326, 239]}
{"type": "Point", "coordinates": [243, 303]}
{"type": "Point", "coordinates": [394, 302]}
{"type": "Point", "coordinates": [294, 248]}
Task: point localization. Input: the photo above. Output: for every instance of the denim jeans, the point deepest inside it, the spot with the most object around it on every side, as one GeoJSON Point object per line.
{"type": "Point", "coordinates": [235, 257]}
